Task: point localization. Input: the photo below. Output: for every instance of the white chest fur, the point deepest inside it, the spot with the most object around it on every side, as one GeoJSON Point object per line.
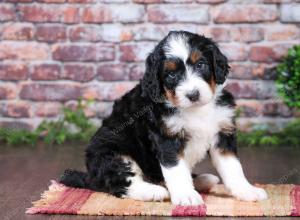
{"type": "Point", "coordinates": [202, 125]}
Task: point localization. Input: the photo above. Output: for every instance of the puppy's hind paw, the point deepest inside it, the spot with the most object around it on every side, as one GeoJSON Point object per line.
{"type": "Point", "coordinates": [205, 182]}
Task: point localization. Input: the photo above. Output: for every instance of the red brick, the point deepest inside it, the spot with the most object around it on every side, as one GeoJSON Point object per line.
{"type": "Point", "coordinates": [23, 51]}
{"type": "Point", "coordinates": [137, 71]}
{"type": "Point", "coordinates": [264, 71]}
{"type": "Point", "coordinates": [211, 1]}
{"type": "Point", "coordinates": [242, 90]}
{"type": "Point", "coordinates": [203, 30]}
{"type": "Point", "coordinates": [106, 91]}
{"type": "Point", "coordinates": [234, 52]}
{"type": "Point", "coordinates": [241, 71]}
{"type": "Point", "coordinates": [17, 109]}
{"type": "Point", "coordinates": [220, 34]}
{"type": "Point", "coordinates": [135, 52]}
{"type": "Point", "coordinates": [15, 71]}
{"type": "Point", "coordinates": [94, 109]}
{"type": "Point", "coordinates": [85, 33]}
{"type": "Point", "coordinates": [262, 54]}
{"type": "Point", "coordinates": [274, 124]}
{"type": "Point", "coordinates": [78, 72]}
{"type": "Point", "coordinates": [71, 15]}
{"type": "Point", "coordinates": [296, 113]}
{"type": "Point", "coordinates": [52, 33]}
{"type": "Point", "coordinates": [105, 52]}
{"type": "Point", "coordinates": [277, 1]}
{"type": "Point", "coordinates": [7, 12]}
{"type": "Point", "coordinates": [8, 91]}
{"type": "Point", "coordinates": [252, 71]}
{"type": "Point", "coordinates": [276, 108]}
{"type": "Point", "coordinates": [113, 13]}
{"type": "Point", "coordinates": [245, 13]}
{"type": "Point", "coordinates": [48, 109]}
{"type": "Point", "coordinates": [178, 1]}
{"type": "Point", "coordinates": [150, 32]}
{"type": "Point", "coordinates": [247, 34]}
{"type": "Point", "coordinates": [249, 108]}
{"type": "Point", "coordinates": [101, 52]}
{"type": "Point", "coordinates": [40, 13]}
{"type": "Point", "coordinates": [46, 72]}
{"type": "Point", "coordinates": [268, 53]}
{"type": "Point", "coordinates": [116, 33]}
{"type": "Point", "coordinates": [19, 1]}
{"type": "Point", "coordinates": [50, 92]}
{"type": "Point", "coordinates": [114, 1]}
{"type": "Point", "coordinates": [81, 1]}
{"type": "Point", "coordinates": [74, 53]}
{"type": "Point", "coordinates": [99, 109]}
{"type": "Point", "coordinates": [147, 1]}
{"type": "Point", "coordinates": [112, 72]}
{"type": "Point", "coordinates": [178, 13]}
{"type": "Point", "coordinates": [18, 31]}
{"type": "Point", "coordinates": [2, 109]}
{"type": "Point", "coordinates": [281, 49]}
{"type": "Point", "coordinates": [11, 125]}
{"type": "Point", "coordinates": [252, 89]}
{"type": "Point", "coordinates": [282, 32]}
{"type": "Point", "coordinates": [52, 1]}
{"type": "Point", "coordinates": [290, 13]}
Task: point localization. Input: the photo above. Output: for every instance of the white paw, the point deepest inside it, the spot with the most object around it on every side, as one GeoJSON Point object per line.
{"type": "Point", "coordinates": [140, 190]}
{"type": "Point", "coordinates": [249, 193]}
{"type": "Point", "coordinates": [205, 182]}
{"type": "Point", "coordinates": [159, 193]}
{"type": "Point", "coordinates": [186, 198]}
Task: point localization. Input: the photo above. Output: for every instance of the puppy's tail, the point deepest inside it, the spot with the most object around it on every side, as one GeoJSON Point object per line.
{"type": "Point", "coordinates": [74, 178]}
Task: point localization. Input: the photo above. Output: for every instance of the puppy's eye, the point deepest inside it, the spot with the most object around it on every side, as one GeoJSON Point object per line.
{"type": "Point", "coordinates": [200, 65]}
{"type": "Point", "coordinates": [171, 75]}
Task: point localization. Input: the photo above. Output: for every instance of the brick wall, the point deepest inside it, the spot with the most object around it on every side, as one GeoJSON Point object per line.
{"type": "Point", "coordinates": [54, 51]}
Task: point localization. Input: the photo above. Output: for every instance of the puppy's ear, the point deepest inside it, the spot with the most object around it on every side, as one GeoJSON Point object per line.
{"type": "Point", "coordinates": [219, 63]}
{"type": "Point", "coordinates": [150, 82]}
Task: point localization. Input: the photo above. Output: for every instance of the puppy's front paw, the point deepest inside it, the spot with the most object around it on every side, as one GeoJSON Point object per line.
{"type": "Point", "coordinates": [187, 198]}
{"type": "Point", "coordinates": [160, 193]}
{"type": "Point", "coordinates": [249, 193]}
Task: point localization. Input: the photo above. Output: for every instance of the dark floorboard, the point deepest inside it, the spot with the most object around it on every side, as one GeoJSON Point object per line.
{"type": "Point", "coordinates": [25, 173]}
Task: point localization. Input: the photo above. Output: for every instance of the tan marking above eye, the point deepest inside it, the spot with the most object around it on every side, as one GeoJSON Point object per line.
{"type": "Point", "coordinates": [195, 56]}
{"type": "Point", "coordinates": [170, 65]}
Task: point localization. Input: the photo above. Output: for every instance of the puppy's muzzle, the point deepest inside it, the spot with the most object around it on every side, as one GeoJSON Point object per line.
{"type": "Point", "coordinates": [193, 96]}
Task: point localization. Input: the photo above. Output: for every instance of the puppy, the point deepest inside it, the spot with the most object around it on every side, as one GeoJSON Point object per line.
{"type": "Point", "coordinates": [178, 113]}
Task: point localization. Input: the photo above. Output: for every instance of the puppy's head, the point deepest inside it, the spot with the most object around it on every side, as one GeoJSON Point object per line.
{"type": "Point", "coordinates": [184, 70]}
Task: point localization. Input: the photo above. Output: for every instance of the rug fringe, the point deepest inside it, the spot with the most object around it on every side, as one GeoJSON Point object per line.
{"type": "Point", "coordinates": [47, 197]}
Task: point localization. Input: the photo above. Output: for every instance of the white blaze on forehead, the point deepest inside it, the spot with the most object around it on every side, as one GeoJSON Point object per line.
{"type": "Point", "coordinates": [177, 46]}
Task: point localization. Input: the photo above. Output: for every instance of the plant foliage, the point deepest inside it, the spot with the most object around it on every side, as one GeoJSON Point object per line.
{"type": "Point", "coordinates": [288, 136]}
{"type": "Point", "coordinates": [288, 80]}
{"type": "Point", "coordinates": [72, 126]}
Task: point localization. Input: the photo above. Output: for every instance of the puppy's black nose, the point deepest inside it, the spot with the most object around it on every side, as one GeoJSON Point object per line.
{"type": "Point", "coordinates": [193, 96]}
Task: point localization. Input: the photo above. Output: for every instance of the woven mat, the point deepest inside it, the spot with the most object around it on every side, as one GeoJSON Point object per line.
{"type": "Point", "coordinates": [284, 200]}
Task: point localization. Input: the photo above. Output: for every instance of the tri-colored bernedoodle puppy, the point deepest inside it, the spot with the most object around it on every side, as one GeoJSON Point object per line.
{"type": "Point", "coordinates": [157, 132]}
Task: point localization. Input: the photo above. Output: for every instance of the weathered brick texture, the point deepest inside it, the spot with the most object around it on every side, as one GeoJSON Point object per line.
{"type": "Point", "coordinates": [53, 52]}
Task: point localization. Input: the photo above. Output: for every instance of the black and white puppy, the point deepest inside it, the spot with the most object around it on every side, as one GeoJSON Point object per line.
{"type": "Point", "coordinates": [179, 112]}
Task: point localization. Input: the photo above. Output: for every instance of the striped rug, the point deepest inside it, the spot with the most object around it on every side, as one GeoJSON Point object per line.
{"type": "Point", "coordinates": [284, 200]}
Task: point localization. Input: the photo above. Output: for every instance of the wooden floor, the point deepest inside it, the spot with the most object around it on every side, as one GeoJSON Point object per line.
{"type": "Point", "coordinates": [25, 173]}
